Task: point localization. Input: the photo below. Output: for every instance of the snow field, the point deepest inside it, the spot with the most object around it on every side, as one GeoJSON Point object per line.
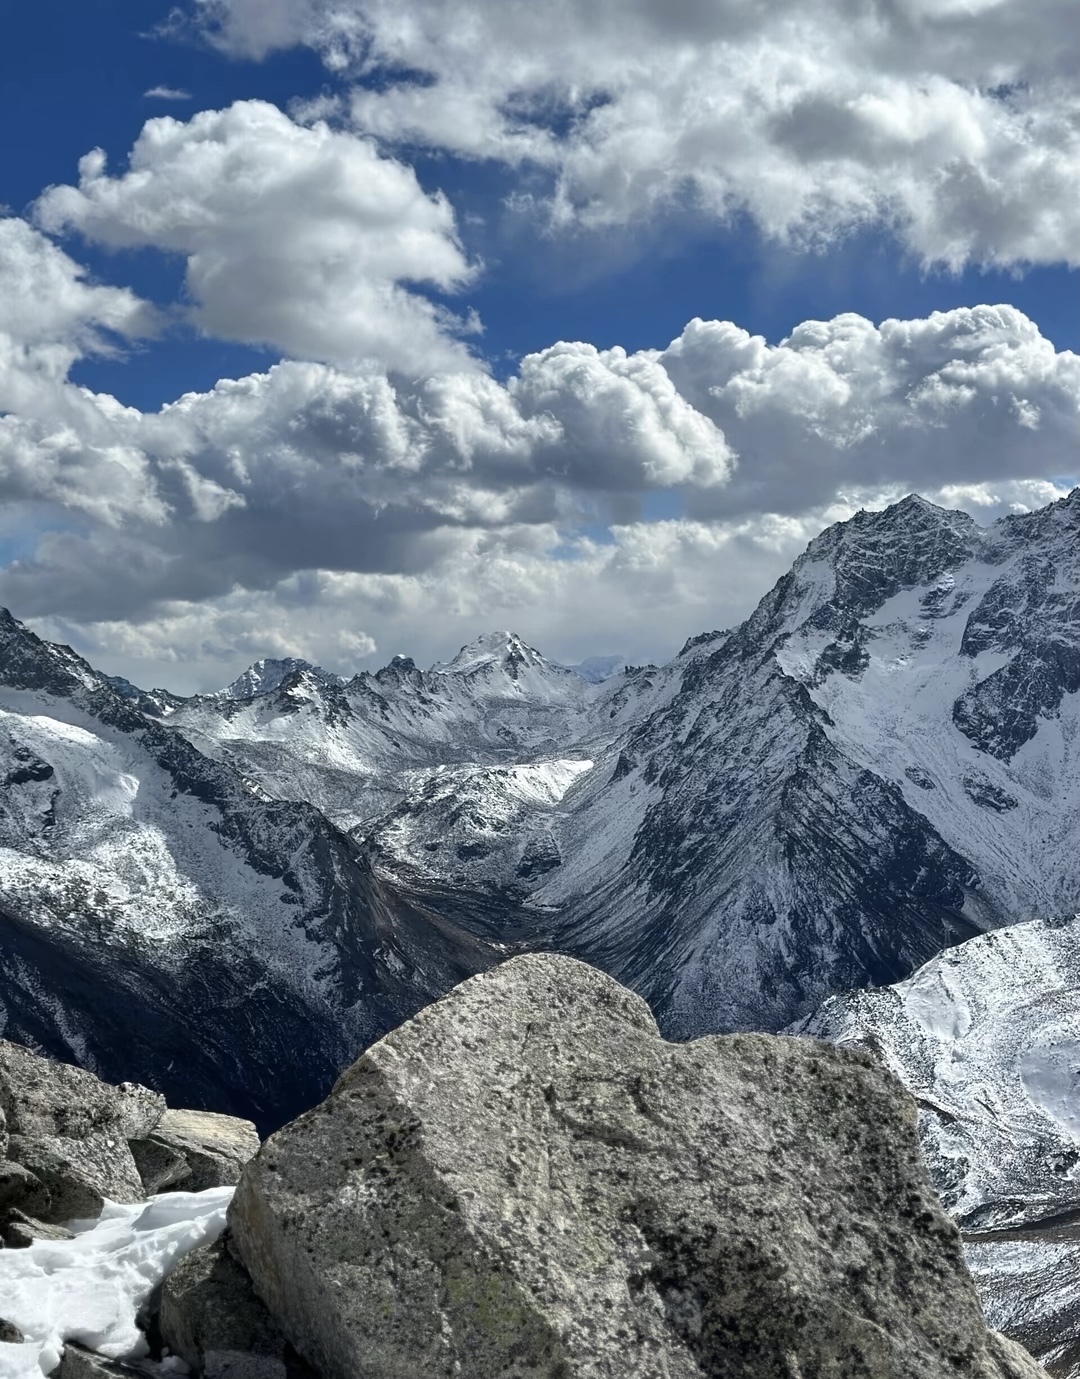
{"type": "Point", "coordinates": [90, 1289]}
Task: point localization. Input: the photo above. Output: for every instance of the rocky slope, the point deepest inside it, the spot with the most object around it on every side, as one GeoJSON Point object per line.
{"type": "Point", "coordinates": [881, 761]}
{"type": "Point", "coordinates": [161, 913]}
{"type": "Point", "coordinates": [878, 763]}
{"type": "Point", "coordinates": [987, 1038]}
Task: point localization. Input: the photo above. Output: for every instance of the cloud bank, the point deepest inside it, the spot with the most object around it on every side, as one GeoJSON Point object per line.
{"type": "Point", "coordinates": [955, 124]}
{"type": "Point", "coordinates": [276, 510]}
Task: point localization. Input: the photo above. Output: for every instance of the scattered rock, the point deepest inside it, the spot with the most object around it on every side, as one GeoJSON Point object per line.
{"type": "Point", "coordinates": [211, 1317]}
{"type": "Point", "coordinates": [21, 1188]}
{"type": "Point", "coordinates": [525, 1180]}
{"type": "Point", "coordinates": [214, 1147]}
{"type": "Point", "coordinates": [10, 1333]}
{"type": "Point", "coordinates": [18, 1230]}
{"type": "Point", "coordinates": [77, 1363]}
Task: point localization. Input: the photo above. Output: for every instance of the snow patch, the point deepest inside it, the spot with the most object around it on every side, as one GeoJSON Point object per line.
{"type": "Point", "coordinates": [90, 1289]}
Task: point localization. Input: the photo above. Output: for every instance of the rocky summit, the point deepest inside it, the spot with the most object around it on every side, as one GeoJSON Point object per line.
{"type": "Point", "coordinates": [526, 1181]}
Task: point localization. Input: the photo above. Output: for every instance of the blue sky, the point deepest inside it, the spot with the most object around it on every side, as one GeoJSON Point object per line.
{"type": "Point", "coordinates": [485, 185]}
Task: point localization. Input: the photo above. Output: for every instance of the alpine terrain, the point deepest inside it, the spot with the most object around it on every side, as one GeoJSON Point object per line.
{"type": "Point", "coordinates": [987, 1038]}
{"type": "Point", "coordinates": [878, 764]}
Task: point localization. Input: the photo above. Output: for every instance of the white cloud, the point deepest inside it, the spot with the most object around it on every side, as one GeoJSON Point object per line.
{"type": "Point", "coordinates": [52, 314]}
{"type": "Point", "coordinates": [58, 444]}
{"type": "Point", "coordinates": [167, 93]}
{"type": "Point", "coordinates": [313, 498]}
{"type": "Point", "coordinates": [973, 393]}
{"type": "Point", "coordinates": [954, 124]}
{"type": "Point", "coordinates": [296, 237]}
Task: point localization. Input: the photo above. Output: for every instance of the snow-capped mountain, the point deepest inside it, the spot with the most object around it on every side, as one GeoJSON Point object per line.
{"type": "Point", "coordinates": [267, 675]}
{"type": "Point", "coordinates": [987, 1038]}
{"type": "Point", "coordinates": [878, 763]}
{"type": "Point", "coordinates": [840, 787]}
{"type": "Point", "coordinates": [160, 912]}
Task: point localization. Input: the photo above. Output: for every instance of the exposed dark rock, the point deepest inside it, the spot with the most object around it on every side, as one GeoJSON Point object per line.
{"type": "Point", "coordinates": [160, 1165]}
{"type": "Point", "coordinates": [18, 1230]}
{"type": "Point", "coordinates": [526, 1180]}
{"type": "Point", "coordinates": [10, 1333]}
{"type": "Point", "coordinates": [79, 1363]}
{"type": "Point", "coordinates": [21, 1188]}
{"type": "Point", "coordinates": [211, 1317]}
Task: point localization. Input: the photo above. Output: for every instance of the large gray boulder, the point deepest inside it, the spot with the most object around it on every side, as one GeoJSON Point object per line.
{"type": "Point", "coordinates": [43, 1098]}
{"type": "Point", "coordinates": [71, 1131]}
{"type": "Point", "coordinates": [526, 1182]}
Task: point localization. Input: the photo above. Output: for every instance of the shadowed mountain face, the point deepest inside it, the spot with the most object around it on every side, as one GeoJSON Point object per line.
{"type": "Point", "coordinates": [228, 896]}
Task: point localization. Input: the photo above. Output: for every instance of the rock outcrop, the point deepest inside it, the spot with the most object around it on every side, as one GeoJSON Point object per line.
{"type": "Point", "coordinates": [70, 1131]}
{"type": "Point", "coordinates": [69, 1141]}
{"type": "Point", "coordinates": [525, 1180]}
{"type": "Point", "coordinates": [214, 1148]}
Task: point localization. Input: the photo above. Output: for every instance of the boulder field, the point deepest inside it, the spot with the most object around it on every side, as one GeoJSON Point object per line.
{"type": "Point", "coordinates": [526, 1181]}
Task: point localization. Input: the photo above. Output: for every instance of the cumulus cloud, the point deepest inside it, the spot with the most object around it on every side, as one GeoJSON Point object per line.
{"type": "Point", "coordinates": [52, 313]}
{"type": "Point", "coordinates": [451, 500]}
{"type": "Point", "coordinates": [58, 445]}
{"type": "Point", "coordinates": [954, 124]}
{"type": "Point", "coordinates": [844, 402]}
{"type": "Point", "coordinates": [297, 237]}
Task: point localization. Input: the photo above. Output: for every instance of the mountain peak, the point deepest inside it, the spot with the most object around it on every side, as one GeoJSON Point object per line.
{"type": "Point", "coordinates": [491, 648]}
{"type": "Point", "coordinates": [266, 675]}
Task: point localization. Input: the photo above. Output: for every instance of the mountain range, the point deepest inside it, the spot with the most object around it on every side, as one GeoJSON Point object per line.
{"type": "Point", "coordinates": [227, 896]}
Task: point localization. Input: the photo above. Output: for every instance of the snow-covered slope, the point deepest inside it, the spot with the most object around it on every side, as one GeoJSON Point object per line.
{"type": "Point", "coordinates": [161, 916]}
{"type": "Point", "coordinates": [987, 1037]}
{"type": "Point", "coordinates": [841, 787]}
{"type": "Point", "coordinates": [358, 749]}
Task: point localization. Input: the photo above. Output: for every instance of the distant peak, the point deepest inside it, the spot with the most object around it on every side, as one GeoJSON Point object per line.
{"type": "Point", "coordinates": [266, 675]}
{"type": "Point", "coordinates": [597, 669]}
{"type": "Point", "coordinates": [502, 651]}
{"type": "Point", "coordinates": [492, 648]}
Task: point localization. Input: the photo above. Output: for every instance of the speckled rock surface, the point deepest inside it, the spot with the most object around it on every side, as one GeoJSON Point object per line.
{"type": "Point", "coordinates": [71, 1130]}
{"type": "Point", "coordinates": [21, 1188]}
{"type": "Point", "coordinates": [526, 1180]}
{"type": "Point", "coordinates": [79, 1173]}
{"type": "Point", "coordinates": [214, 1147]}
{"type": "Point", "coordinates": [42, 1098]}
{"type": "Point", "coordinates": [212, 1319]}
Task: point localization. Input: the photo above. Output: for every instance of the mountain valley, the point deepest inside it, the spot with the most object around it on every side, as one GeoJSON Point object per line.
{"type": "Point", "coordinates": [877, 764]}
